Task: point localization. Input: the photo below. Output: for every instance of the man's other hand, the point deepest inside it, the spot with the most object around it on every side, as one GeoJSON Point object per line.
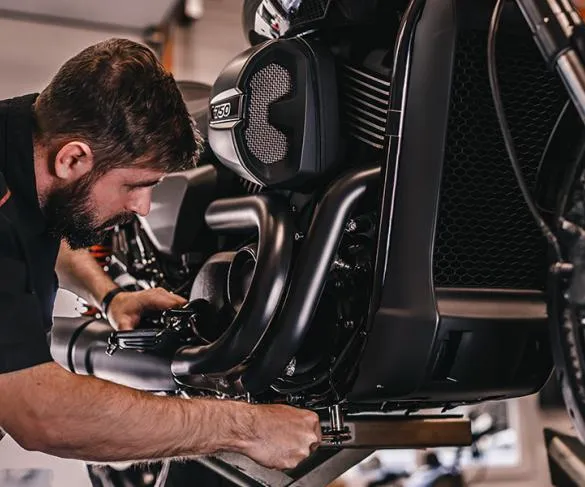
{"type": "Point", "coordinates": [126, 308]}
{"type": "Point", "coordinates": [282, 436]}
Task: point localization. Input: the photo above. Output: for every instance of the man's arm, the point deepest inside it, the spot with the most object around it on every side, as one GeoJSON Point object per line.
{"type": "Point", "coordinates": [48, 409]}
{"type": "Point", "coordinates": [79, 272]}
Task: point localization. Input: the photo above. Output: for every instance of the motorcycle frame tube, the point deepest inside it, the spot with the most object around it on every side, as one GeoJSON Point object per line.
{"type": "Point", "coordinates": [403, 304]}
{"type": "Point", "coordinates": [395, 124]}
{"type": "Point", "coordinates": [270, 216]}
{"type": "Point", "coordinates": [308, 279]}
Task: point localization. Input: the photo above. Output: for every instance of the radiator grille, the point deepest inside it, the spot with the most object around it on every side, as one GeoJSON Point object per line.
{"type": "Point", "coordinates": [485, 234]}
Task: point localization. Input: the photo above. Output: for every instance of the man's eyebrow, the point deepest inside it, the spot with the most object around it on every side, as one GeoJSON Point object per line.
{"type": "Point", "coordinates": [144, 184]}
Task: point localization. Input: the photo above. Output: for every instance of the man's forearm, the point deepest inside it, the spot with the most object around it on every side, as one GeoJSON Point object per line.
{"type": "Point", "coordinates": [90, 419]}
{"type": "Point", "coordinates": [79, 272]}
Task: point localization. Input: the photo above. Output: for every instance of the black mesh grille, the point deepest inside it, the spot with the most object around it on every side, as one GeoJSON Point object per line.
{"type": "Point", "coordinates": [485, 234]}
{"type": "Point", "coordinates": [266, 142]}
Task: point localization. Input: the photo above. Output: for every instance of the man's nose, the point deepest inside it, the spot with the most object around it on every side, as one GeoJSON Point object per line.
{"type": "Point", "coordinates": [140, 204]}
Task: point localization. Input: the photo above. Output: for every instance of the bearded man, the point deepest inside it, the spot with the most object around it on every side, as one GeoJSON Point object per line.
{"type": "Point", "coordinates": [75, 160]}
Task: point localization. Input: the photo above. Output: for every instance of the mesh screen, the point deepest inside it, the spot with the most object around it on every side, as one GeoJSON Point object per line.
{"type": "Point", "coordinates": [485, 234]}
{"type": "Point", "coordinates": [266, 142]}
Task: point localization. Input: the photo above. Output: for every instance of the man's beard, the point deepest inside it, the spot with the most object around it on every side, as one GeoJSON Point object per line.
{"type": "Point", "coordinates": [70, 215]}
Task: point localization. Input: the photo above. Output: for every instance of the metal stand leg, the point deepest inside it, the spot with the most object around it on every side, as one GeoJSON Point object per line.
{"type": "Point", "coordinates": [362, 435]}
{"type": "Point", "coordinates": [566, 459]}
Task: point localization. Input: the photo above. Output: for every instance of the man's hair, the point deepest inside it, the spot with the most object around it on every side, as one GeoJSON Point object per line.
{"type": "Point", "coordinates": [119, 99]}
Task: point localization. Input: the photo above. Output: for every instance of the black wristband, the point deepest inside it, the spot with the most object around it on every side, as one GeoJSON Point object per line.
{"type": "Point", "coordinates": [108, 299]}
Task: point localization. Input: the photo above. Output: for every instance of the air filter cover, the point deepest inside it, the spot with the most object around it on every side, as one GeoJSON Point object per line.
{"type": "Point", "coordinates": [273, 113]}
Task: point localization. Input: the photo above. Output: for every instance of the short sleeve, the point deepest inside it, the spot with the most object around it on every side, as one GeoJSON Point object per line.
{"type": "Point", "coordinates": [23, 341]}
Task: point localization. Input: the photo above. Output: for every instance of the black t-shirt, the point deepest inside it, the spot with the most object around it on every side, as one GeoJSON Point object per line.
{"type": "Point", "coordinates": [28, 283]}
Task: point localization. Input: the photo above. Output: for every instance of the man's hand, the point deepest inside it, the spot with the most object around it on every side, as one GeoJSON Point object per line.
{"type": "Point", "coordinates": [79, 272]}
{"type": "Point", "coordinates": [283, 436]}
{"type": "Point", "coordinates": [126, 308]}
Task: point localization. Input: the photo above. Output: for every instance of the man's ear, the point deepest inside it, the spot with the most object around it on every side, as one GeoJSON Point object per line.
{"type": "Point", "coordinates": [73, 160]}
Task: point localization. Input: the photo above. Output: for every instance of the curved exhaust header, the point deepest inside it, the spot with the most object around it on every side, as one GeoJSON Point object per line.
{"type": "Point", "coordinates": [270, 217]}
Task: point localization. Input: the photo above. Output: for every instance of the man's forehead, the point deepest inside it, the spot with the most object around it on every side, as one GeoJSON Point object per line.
{"type": "Point", "coordinates": [137, 174]}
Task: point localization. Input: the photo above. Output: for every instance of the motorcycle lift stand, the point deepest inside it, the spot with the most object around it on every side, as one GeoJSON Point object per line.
{"type": "Point", "coordinates": [345, 445]}
{"type": "Point", "coordinates": [566, 459]}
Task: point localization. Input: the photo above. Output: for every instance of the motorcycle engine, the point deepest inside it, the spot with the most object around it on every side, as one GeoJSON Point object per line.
{"type": "Point", "coordinates": [338, 91]}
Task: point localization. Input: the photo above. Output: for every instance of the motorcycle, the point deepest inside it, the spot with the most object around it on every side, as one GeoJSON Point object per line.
{"type": "Point", "coordinates": [354, 239]}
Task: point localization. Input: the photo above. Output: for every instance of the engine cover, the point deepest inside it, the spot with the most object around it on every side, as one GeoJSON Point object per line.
{"type": "Point", "coordinates": [273, 113]}
{"type": "Point", "coordinates": [175, 223]}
